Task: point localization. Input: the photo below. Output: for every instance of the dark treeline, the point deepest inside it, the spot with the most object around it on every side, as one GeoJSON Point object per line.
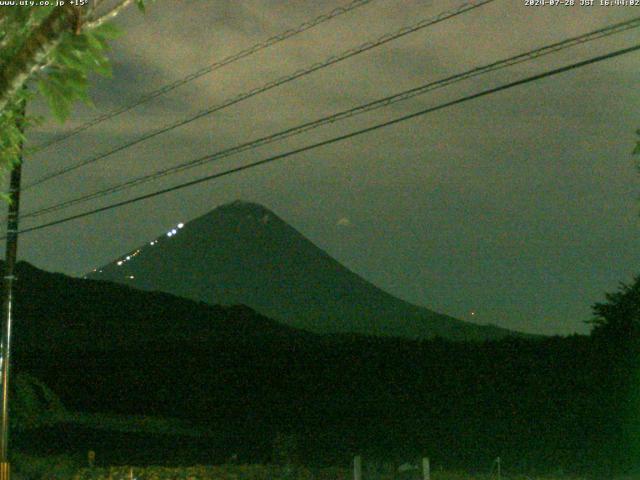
{"type": "Point", "coordinates": [541, 404]}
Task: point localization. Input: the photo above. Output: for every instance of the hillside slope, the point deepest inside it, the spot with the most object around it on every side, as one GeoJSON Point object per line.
{"type": "Point", "coordinates": [62, 313]}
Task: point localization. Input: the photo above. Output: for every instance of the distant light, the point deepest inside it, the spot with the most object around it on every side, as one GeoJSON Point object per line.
{"type": "Point", "coordinates": [180, 225]}
{"type": "Point", "coordinates": [473, 313]}
{"type": "Point", "coordinates": [128, 257]}
{"type": "Point", "coordinates": [131, 277]}
{"type": "Point", "coordinates": [174, 231]}
{"type": "Point", "coordinates": [169, 234]}
{"type": "Point", "coordinates": [119, 262]}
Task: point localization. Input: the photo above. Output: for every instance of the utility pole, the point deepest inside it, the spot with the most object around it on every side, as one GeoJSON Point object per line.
{"type": "Point", "coordinates": [11, 253]}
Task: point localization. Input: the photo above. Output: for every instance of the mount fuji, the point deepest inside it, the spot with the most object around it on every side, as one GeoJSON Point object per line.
{"type": "Point", "coordinates": [243, 253]}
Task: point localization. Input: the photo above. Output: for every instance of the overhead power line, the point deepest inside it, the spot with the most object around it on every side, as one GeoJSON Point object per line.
{"type": "Point", "coordinates": [206, 70]}
{"type": "Point", "coordinates": [340, 138]}
{"type": "Point", "coordinates": [332, 60]}
{"type": "Point", "coordinates": [368, 107]}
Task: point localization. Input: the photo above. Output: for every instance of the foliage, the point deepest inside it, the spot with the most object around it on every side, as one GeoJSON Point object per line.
{"type": "Point", "coordinates": [636, 150]}
{"type": "Point", "coordinates": [262, 472]}
{"type": "Point", "coordinates": [285, 449]}
{"type": "Point", "coordinates": [619, 316]}
{"type": "Point", "coordinates": [136, 424]}
{"type": "Point", "coordinates": [221, 472]}
{"type": "Point", "coordinates": [34, 405]}
{"type": "Point", "coordinates": [61, 67]}
{"type": "Point", "coordinates": [12, 125]}
{"type": "Point", "coordinates": [55, 467]}
{"type": "Point", "coordinates": [66, 78]}
{"type": "Point", "coordinates": [539, 404]}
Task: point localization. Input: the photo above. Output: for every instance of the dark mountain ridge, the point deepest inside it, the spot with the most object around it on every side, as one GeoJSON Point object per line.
{"type": "Point", "coordinates": [104, 347]}
{"type": "Point", "coordinates": [58, 312]}
{"type": "Point", "coordinates": [242, 253]}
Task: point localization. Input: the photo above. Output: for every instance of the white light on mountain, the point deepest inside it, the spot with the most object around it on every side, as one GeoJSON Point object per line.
{"type": "Point", "coordinates": [131, 277]}
{"type": "Point", "coordinates": [174, 231]}
{"type": "Point", "coordinates": [128, 257]}
{"type": "Point", "coordinates": [180, 225]}
{"type": "Point", "coordinates": [119, 262]}
{"type": "Point", "coordinates": [169, 234]}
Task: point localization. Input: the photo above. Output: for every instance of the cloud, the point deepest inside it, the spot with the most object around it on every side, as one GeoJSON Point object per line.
{"type": "Point", "coordinates": [523, 172]}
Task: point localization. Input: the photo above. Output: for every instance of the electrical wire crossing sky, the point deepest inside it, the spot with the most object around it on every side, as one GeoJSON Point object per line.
{"type": "Point", "coordinates": [517, 207]}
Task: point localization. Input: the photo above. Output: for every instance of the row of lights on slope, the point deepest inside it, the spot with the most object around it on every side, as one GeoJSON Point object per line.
{"type": "Point", "coordinates": [174, 231]}
{"type": "Point", "coordinates": [170, 233]}
{"type": "Point", "coordinates": [129, 257]}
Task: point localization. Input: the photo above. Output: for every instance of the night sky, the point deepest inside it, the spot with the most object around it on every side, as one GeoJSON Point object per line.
{"type": "Point", "coordinates": [521, 206]}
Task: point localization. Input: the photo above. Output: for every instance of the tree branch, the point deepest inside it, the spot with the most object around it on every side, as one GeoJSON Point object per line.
{"type": "Point", "coordinates": [112, 13]}
{"type": "Point", "coordinates": [94, 8]}
{"type": "Point", "coordinates": [4, 19]}
{"type": "Point", "coordinates": [40, 42]}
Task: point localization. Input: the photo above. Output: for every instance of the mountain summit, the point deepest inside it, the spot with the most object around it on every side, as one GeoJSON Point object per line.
{"type": "Point", "coordinates": [243, 253]}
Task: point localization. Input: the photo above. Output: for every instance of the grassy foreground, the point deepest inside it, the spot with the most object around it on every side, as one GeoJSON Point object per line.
{"type": "Point", "coordinates": [265, 472]}
{"type": "Point", "coordinates": [256, 472]}
{"type": "Point", "coordinates": [67, 468]}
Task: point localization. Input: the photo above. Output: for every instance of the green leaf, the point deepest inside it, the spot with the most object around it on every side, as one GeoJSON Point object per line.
{"type": "Point", "coordinates": [102, 66]}
{"type": "Point", "coordinates": [71, 59]}
{"type": "Point", "coordinates": [66, 78]}
{"type": "Point", "coordinates": [107, 31]}
{"type": "Point", "coordinates": [57, 96]}
{"type": "Point", "coordinates": [96, 45]}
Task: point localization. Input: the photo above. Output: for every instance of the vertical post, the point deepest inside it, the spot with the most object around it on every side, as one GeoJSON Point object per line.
{"type": "Point", "coordinates": [11, 253]}
{"type": "Point", "coordinates": [357, 467]}
{"type": "Point", "coordinates": [426, 469]}
{"type": "Point", "coordinates": [499, 468]}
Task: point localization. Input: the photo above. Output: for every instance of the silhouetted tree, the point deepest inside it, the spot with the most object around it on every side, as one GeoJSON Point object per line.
{"type": "Point", "coordinates": [57, 46]}
{"type": "Point", "coordinates": [616, 372]}
{"type": "Point", "coordinates": [619, 316]}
